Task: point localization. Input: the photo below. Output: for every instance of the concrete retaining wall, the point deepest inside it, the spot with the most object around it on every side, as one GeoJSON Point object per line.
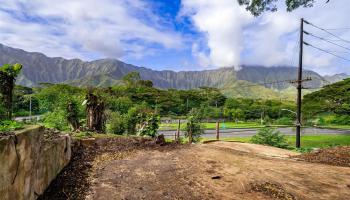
{"type": "Point", "coordinates": [29, 162]}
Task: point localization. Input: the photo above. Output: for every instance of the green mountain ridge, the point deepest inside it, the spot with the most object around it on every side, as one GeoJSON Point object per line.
{"type": "Point", "coordinates": [39, 68]}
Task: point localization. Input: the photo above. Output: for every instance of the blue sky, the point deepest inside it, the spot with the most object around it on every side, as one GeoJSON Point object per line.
{"type": "Point", "coordinates": [174, 34]}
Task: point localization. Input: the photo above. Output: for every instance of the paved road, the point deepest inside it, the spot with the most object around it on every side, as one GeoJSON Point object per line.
{"type": "Point", "coordinates": [250, 132]}
{"type": "Point", "coordinates": [27, 118]}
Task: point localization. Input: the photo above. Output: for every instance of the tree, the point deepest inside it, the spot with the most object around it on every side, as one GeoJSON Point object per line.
{"type": "Point", "coordinates": [131, 79]}
{"type": "Point", "coordinates": [257, 7]}
{"type": "Point", "coordinates": [95, 108]}
{"type": "Point", "coordinates": [8, 74]}
{"type": "Point", "coordinates": [149, 125]}
{"type": "Point", "coordinates": [193, 126]}
{"type": "Point", "coordinates": [237, 114]}
{"type": "Point", "coordinates": [73, 115]}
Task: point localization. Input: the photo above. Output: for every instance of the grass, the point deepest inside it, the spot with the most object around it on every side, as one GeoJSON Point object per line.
{"type": "Point", "coordinates": [345, 127]}
{"type": "Point", "coordinates": [223, 125]}
{"type": "Point", "coordinates": [308, 141]}
{"type": "Point", "coordinates": [9, 125]}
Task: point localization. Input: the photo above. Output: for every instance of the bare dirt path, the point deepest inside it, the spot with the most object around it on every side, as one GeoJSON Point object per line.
{"type": "Point", "coordinates": [218, 170]}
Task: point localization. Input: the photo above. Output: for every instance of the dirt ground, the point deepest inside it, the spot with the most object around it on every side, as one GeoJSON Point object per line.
{"type": "Point", "coordinates": [130, 168]}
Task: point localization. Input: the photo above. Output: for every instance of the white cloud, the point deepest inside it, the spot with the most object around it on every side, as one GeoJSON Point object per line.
{"type": "Point", "coordinates": [273, 38]}
{"type": "Point", "coordinates": [221, 23]}
{"type": "Point", "coordinates": [84, 29]}
{"type": "Point", "coordinates": [234, 37]}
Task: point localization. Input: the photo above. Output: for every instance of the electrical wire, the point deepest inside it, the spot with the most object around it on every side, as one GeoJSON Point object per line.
{"type": "Point", "coordinates": [311, 24]}
{"type": "Point", "coordinates": [307, 44]}
{"type": "Point", "coordinates": [266, 83]}
{"type": "Point", "coordinates": [315, 36]}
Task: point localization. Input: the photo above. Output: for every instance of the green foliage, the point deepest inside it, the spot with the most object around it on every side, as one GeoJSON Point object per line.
{"type": "Point", "coordinates": [332, 98]}
{"type": "Point", "coordinates": [56, 119]}
{"type": "Point", "coordinates": [257, 7]}
{"type": "Point", "coordinates": [2, 111]}
{"type": "Point", "coordinates": [116, 123]}
{"type": "Point", "coordinates": [284, 121]}
{"type": "Point", "coordinates": [149, 125]}
{"type": "Point", "coordinates": [131, 79]}
{"type": "Point", "coordinates": [193, 126]}
{"type": "Point", "coordinates": [9, 125]}
{"type": "Point", "coordinates": [8, 74]}
{"type": "Point", "coordinates": [22, 96]}
{"type": "Point", "coordinates": [11, 70]}
{"type": "Point", "coordinates": [271, 137]}
{"type": "Point", "coordinates": [57, 96]}
{"type": "Point", "coordinates": [120, 104]}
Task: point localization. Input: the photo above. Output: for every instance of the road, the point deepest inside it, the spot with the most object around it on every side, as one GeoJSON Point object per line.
{"type": "Point", "coordinates": [228, 133]}
{"type": "Point", "coordinates": [27, 118]}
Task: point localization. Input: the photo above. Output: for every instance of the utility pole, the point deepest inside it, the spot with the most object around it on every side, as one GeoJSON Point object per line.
{"type": "Point", "coordinates": [187, 104]}
{"type": "Point", "coordinates": [178, 131]}
{"type": "Point", "coordinates": [30, 107]}
{"type": "Point", "coordinates": [217, 130]}
{"type": "Point", "coordinates": [299, 82]}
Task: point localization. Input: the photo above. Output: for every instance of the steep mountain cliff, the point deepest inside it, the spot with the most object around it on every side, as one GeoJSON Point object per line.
{"type": "Point", "coordinates": [105, 72]}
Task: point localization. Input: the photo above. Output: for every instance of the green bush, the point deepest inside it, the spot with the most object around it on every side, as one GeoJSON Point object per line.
{"type": "Point", "coordinates": [57, 120]}
{"type": "Point", "coordinates": [271, 137]}
{"type": "Point", "coordinates": [194, 125]}
{"type": "Point", "coordinates": [341, 120]}
{"type": "Point", "coordinates": [284, 121]}
{"type": "Point", "coordinates": [116, 123]}
{"type": "Point", "coordinates": [149, 125]}
{"type": "Point", "coordinates": [9, 125]}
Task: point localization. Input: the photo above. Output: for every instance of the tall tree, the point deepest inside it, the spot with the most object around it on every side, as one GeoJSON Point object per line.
{"type": "Point", "coordinates": [8, 74]}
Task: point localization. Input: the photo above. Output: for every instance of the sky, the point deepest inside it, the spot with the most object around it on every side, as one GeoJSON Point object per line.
{"type": "Point", "coordinates": [177, 34]}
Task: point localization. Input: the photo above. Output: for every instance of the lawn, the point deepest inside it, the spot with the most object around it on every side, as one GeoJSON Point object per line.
{"type": "Point", "coordinates": [223, 125]}
{"type": "Point", "coordinates": [309, 141]}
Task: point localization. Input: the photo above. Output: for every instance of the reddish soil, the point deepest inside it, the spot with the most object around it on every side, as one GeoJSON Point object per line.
{"type": "Point", "coordinates": [130, 168]}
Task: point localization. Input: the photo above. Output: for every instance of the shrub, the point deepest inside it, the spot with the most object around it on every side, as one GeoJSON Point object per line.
{"type": "Point", "coordinates": [284, 121]}
{"type": "Point", "coordinates": [341, 120]}
{"type": "Point", "coordinates": [271, 137]}
{"type": "Point", "coordinates": [116, 123]}
{"type": "Point", "coordinates": [9, 125]}
{"type": "Point", "coordinates": [193, 126]}
{"type": "Point", "coordinates": [57, 120]}
{"type": "Point", "coordinates": [149, 125]}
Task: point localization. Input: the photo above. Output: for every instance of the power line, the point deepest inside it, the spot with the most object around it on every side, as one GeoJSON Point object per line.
{"type": "Point", "coordinates": [266, 83]}
{"type": "Point", "coordinates": [334, 29]}
{"type": "Point", "coordinates": [315, 36]}
{"type": "Point", "coordinates": [327, 31]}
{"type": "Point", "coordinates": [307, 44]}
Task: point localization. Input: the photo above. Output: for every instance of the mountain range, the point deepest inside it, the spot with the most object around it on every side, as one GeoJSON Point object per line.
{"type": "Point", "coordinates": [249, 81]}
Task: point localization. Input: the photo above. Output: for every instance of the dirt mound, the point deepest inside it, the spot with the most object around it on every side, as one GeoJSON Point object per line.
{"type": "Point", "coordinates": [338, 156]}
{"type": "Point", "coordinates": [256, 149]}
{"type": "Point", "coordinates": [73, 182]}
{"type": "Point", "coordinates": [272, 190]}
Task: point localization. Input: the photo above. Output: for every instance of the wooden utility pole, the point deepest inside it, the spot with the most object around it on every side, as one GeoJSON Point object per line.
{"type": "Point", "coordinates": [178, 131]}
{"type": "Point", "coordinates": [217, 130]}
{"type": "Point", "coordinates": [299, 87]}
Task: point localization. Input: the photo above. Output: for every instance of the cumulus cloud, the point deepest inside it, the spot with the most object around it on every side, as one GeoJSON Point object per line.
{"type": "Point", "coordinates": [234, 37]}
{"type": "Point", "coordinates": [273, 38]}
{"type": "Point", "coordinates": [221, 23]}
{"type": "Point", "coordinates": [85, 29]}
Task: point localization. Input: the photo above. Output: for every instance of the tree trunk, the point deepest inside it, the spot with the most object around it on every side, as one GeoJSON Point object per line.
{"type": "Point", "coordinates": [6, 89]}
{"type": "Point", "coordinates": [72, 116]}
{"type": "Point", "coordinates": [95, 113]}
